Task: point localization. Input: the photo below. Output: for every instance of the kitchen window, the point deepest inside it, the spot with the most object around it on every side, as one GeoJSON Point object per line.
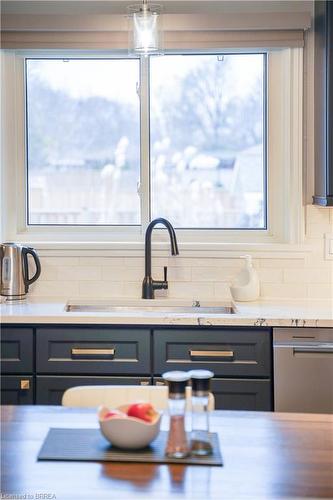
{"type": "Point", "coordinates": [208, 140]}
{"type": "Point", "coordinates": [102, 144]}
{"type": "Point", "coordinates": [207, 136]}
{"type": "Point", "coordinates": [83, 141]}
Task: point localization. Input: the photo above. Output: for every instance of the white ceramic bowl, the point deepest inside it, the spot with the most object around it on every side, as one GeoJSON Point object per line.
{"type": "Point", "coordinates": [128, 433]}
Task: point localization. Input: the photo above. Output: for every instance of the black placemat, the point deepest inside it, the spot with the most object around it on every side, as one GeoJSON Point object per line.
{"type": "Point", "coordinates": [90, 445]}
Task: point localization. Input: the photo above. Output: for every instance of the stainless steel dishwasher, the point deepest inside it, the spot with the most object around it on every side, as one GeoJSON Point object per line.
{"type": "Point", "coordinates": [303, 369]}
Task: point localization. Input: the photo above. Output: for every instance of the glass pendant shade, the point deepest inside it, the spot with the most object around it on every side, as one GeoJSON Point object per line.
{"type": "Point", "coordinates": [145, 29]}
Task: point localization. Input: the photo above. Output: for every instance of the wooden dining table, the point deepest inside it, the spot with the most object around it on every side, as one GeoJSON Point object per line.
{"type": "Point", "coordinates": [265, 455]}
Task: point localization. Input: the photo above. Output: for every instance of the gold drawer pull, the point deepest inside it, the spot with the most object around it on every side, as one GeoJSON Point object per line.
{"type": "Point", "coordinates": [25, 385]}
{"type": "Point", "coordinates": [93, 352]}
{"type": "Point", "coordinates": [144, 382]}
{"type": "Point", "coordinates": [159, 382]}
{"type": "Point", "coordinates": [212, 354]}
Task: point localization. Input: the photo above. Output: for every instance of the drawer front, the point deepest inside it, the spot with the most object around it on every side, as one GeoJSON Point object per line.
{"type": "Point", "coordinates": [93, 351]}
{"type": "Point", "coordinates": [228, 353]}
{"type": "Point", "coordinates": [50, 389]}
{"type": "Point", "coordinates": [238, 394]}
{"type": "Point", "coordinates": [17, 390]}
{"type": "Point", "coordinates": [16, 350]}
{"type": "Point", "coordinates": [242, 394]}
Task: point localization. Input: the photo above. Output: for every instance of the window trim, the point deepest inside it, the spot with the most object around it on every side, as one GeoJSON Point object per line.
{"type": "Point", "coordinates": [285, 217]}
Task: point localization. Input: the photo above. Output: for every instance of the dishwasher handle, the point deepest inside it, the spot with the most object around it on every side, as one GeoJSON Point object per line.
{"type": "Point", "coordinates": [318, 349]}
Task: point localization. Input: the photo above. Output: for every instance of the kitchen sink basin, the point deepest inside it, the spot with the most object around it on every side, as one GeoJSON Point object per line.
{"type": "Point", "coordinates": [152, 306]}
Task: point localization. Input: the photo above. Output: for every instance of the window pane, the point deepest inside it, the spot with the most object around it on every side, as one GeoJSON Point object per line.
{"type": "Point", "coordinates": [83, 141]}
{"type": "Point", "coordinates": [207, 140]}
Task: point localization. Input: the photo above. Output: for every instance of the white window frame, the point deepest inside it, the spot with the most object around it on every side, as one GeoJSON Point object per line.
{"type": "Point", "coordinates": [284, 159]}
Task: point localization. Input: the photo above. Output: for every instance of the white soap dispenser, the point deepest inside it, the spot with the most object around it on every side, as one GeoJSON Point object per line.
{"type": "Point", "coordinates": [246, 285]}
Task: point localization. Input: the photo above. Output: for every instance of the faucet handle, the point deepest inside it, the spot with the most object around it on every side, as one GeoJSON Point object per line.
{"type": "Point", "coordinates": [165, 273]}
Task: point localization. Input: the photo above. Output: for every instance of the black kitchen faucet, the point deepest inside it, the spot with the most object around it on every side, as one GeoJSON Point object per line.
{"type": "Point", "coordinates": [149, 285]}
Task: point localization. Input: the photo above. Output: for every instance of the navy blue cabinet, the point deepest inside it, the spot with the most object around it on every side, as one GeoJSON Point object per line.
{"type": "Point", "coordinates": [17, 365]}
{"type": "Point", "coordinates": [17, 390]}
{"type": "Point", "coordinates": [227, 352]}
{"type": "Point", "coordinates": [238, 394]}
{"type": "Point", "coordinates": [49, 390]}
{"type": "Point", "coordinates": [73, 355]}
{"type": "Point", "coordinates": [241, 359]}
{"type": "Point", "coordinates": [93, 350]}
{"type": "Point", "coordinates": [17, 350]}
{"type": "Point", "coordinates": [242, 394]}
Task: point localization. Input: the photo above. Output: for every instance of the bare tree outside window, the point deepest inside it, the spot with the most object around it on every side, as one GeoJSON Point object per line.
{"type": "Point", "coordinates": [207, 140]}
{"type": "Point", "coordinates": [83, 136]}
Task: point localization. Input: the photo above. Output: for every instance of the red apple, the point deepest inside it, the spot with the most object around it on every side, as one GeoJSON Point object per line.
{"type": "Point", "coordinates": [145, 411]}
{"type": "Point", "coordinates": [114, 414]}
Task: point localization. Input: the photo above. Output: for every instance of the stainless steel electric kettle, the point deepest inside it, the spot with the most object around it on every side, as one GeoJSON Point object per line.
{"type": "Point", "coordinates": [14, 268]}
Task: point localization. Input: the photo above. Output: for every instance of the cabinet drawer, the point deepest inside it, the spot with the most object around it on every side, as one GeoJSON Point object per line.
{"type": "Point", "coordinates": [16, 350]}
{"type": "Point", "coordinates": [50, 389]}
{"type": "Point", "coordinates": [230, 353]}
{"type": "Point", "coordinates": [93, 351]}
{"type": "Point", "coordinates": [17, 390]}
{"type": "Point", "coordinates": [242, 394]}
{"type": "Point", "coordinates": [238, 394]}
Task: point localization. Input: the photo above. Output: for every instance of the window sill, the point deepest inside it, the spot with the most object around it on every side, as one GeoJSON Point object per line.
{"type": "Point", "coordinates": [196, 250]}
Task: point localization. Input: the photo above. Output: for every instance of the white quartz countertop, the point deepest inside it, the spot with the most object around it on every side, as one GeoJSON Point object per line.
{"type": "Point", "coordinates": [289, 313]}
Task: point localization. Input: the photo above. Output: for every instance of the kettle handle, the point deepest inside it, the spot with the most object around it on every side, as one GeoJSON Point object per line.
{"type": "Point", "coordinates": [27, 281]}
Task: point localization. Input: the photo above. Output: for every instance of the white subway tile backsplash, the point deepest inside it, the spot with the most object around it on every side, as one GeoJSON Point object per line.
{"type": "Point", "coordinates": [283, 291]}
{"type": "Point", "coordinates": [174, 273]}
{"type": "Point", "coordinates": [55, 288]}
{"type": "Point", "coordinates": [213, 273]}
{"type": "Point", "coordinates": [135, 262]}
{"type": "Point", "coordinates": [132, 289]}
{"type": "Point", "coordinates": [307, 276]}
{"type": "Point", "coordinates": [49, 273]}
{"type": "Point", "coordinates": [80, 273]}
{"type": "Point", "coordinates": [61, 261]}
{"type": "Point", "coordinates": [102, 261]}
{"type": "Point", "coordinates": [270, 275]}
{"type": "Point", "coordinates": [191, 290]}
{"type": "Point", "coordinates": [320, 291]}
{"type": "Point", "coordinates": [194, 277]}
{"type": "Point", "coordinates": [122, 274]}
{"type": "Point", "coordinates": [281, 263]}
{"type": "Point", "coordinates": [203, 261]}
{"type": "Point", "coordinates": [221, 290]}
{"type": "Point", "coordinates": [100, 289]}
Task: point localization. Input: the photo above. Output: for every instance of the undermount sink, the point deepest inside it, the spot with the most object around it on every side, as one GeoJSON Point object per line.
{"type": "Point", "coordinates": [152, 306]}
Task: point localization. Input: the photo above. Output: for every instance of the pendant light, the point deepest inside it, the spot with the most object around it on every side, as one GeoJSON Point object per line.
{"type": "Point", "coordinates": [145, 29]}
